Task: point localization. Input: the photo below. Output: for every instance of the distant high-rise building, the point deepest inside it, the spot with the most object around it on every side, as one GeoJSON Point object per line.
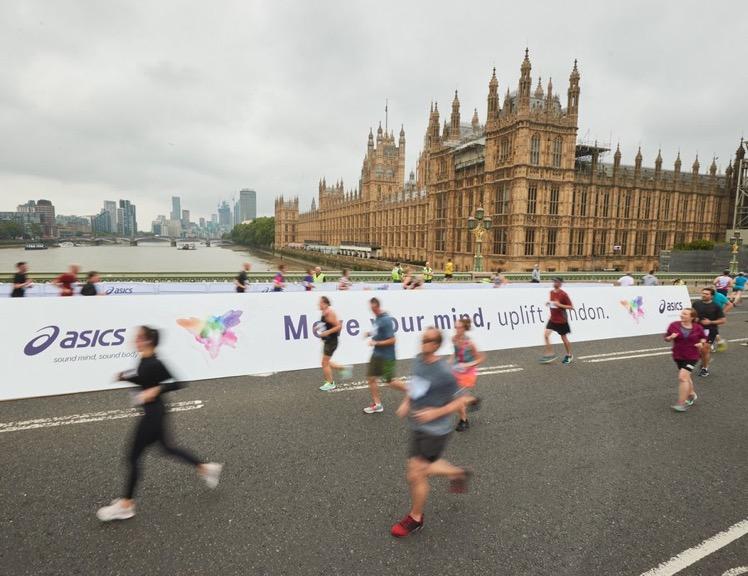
{"type": "Point", "coordinates": [202, 222]}
{"type": "Point", "coordinates": [111, 207]}
{"type": "Point", "coordinates": [214, 218]}
{"type": "Point", "coordinates": [102, 222]}
{"type": "Point", "coordinates": [185, 218]}
{"type": "Point", "coordinates": [46, 211]}
{"type": "Point", "coordinates": [224, 214]}
{"type": "Point", "coordinates": [127, 223]}
{"type": "Point", "coordinates": [247, 205]}
{"type": "Point", "coordinates": [176, 208]}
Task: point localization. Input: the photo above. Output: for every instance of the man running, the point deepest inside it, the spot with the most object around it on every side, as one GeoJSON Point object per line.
{"type": "Point", "coordinates": [154, 380]}
{"type": "Point", "coordinates": [66, 281]}
{"type": "Point", "coordinates": [722, 283]}
{"type": "Point", "coordinates": [558, 322]}
{"type": "Point", "coordinates": [710, 317]}
{"type": "Point", "coordinates": [308, 280]}
{"type": "Point", "coordinates": [449, 269]}
{"type": "Point", "coordinates": [650, 279]}
{"type": "Point", "coordinates": [626, 280]}
{"type": "Point", "coordinates": [21, 281]}
{"type": "Point", "coordinates": [331, 327]}
{"type": "Point", "coordinates": [432, 399]}
{"type": "Point", "coordinates": [345, 282]}
{"type": "Point", "coordinates": [89, 288]}
{"type": "Point", "coordinates": [738, 286]}
{"type": "Point", "coordinates": [241, 279]}
{"type": "Point", "coordinates": [279, 280]}
{"type": "Point", "coordinates": [428, 273]}
{"type": "Point", "coordinates": [720, 344]}
{"type": "Point", "coordinates": [382, 363]}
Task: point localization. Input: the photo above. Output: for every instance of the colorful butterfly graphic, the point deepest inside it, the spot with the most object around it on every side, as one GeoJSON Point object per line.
{"type": "Point", "coordinates": [634, 307]}
{"type": "Point", "coordinates": [213, 332]}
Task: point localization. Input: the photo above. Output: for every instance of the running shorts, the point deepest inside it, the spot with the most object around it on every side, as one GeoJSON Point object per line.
{"type": "Point", "coordinates": [330, 346]}
{"type": "Point", "coordinates": [427, 446]}
{"type": "Point", "coordinates": [560, 329]}
{"type": "Point", "coordinates": [736, 289]}
{"type": "Point", "coordinates": [381, 368]}
{"type": "Point", "coordinates": [722, 291]}
{"type": "Point", "coordinates": [685, 364]}
{"type": "Point", "coordinates": [711, 334]}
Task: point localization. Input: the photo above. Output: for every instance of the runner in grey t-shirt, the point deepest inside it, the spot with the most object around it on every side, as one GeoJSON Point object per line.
{"type": "Point", "coordinates": [432, 401]}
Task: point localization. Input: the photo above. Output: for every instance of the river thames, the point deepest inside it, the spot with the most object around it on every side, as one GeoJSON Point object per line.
{"type": "Point", "coordinates": [146, 257]}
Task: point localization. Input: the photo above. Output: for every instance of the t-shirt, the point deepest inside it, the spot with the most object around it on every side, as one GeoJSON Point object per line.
{"type": "Point", "coordinates": [308, 282]}
{"type": "Point", "coordinates": [344, 283]}
{"type": "Point", "coordinates": [383, 328]}
{"type": "Point", "coordinates": [740, 282]}
{"type": "Point", "coordinates": [448, 268]}
{"type": "Point", "coordinates": [626, 281]}
{"type": "Point", "coordinates": [19, 278]}
{"type": "Point", "coordinates": [431, 385]}
{"type": "Point", "coordinates": [242, 280]}
{"type": "Point", "coordinates": [722, 282]}
{"type": "Point", "coordinates": [558, 315]}
{"type": "Point", "coordinates": [720, 299]}
{"type": "Point", "coordinates": [684, 347]}
{"type": "Point", "coordinates": [649, 280]}
{"type": "Point", "coordinates": [536, 274]}
{"type": "Point", "coordinates": [708, 310]}
{"type": "Point", "coordinates": [278, 282]}
{"type": "Point", "coordinates": [67, 280]}
{"type": "Point", "coordinates": [89, 289]}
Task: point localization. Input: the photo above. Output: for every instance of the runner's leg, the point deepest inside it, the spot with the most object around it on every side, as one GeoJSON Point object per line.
{"type": "Point", "coordinates": [567, 344]}
{"type": "Point", "coordinates": [418, 483]}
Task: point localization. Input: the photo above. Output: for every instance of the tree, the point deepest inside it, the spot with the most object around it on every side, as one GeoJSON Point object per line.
{"type": "Point", "coordinates": [259, 233]}
{"type": "Point", "coordinates": [10, 230]}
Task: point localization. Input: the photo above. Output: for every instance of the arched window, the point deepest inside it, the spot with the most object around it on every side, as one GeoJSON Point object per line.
{"type": "Point", "coordinates": [535, 150]}
{"type": "Point", "coordinates": [557, 148]}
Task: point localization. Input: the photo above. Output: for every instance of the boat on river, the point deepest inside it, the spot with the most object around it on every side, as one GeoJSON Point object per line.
{"type": "Point", "coordinates": [35, 246]}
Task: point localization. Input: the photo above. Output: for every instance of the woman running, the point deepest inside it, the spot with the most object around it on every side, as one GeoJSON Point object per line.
{"type": "Point", "coordinates": [464, 361]}
{"type": "Point", "coordinates": [329, 332]}
{"type": "Point", "coordinates": [151, 375]}
{"type": "Point", "coordinates": [687, 337]}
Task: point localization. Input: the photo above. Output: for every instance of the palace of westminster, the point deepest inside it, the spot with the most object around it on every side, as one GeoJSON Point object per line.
{"type": "Point", "coordinates": [551, 200]}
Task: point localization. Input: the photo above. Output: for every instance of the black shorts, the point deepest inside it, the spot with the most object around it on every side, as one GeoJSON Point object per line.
{"type": "Point", "coordinates": [685, 364]}
{"type": "Point", "coordinates": [722, 291]}
{"type": "Point", "coordinates": [426, 446]}
{"type": "Point", "coordinates": [712, 332]}
{"type": "Point", "coordinates": [330, 347]}
{"type": "Point", "coordinates": [560, 329]}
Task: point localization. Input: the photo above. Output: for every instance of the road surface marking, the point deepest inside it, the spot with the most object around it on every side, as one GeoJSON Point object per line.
{"type": "Point", "coordinates": [92, 417]}
{"type": "Point", "coordinates": [362, 384]}
{"type": "Point", "coordinates": [628, 354]}
{"type": "Point", "coordinates": [693, 555]}
{"type": "Point", "coordinates": [736, 571]}
{"type": "Point", "coordinates": [627, 357]}
{"type": "Point", "coordinates": [623, 352]}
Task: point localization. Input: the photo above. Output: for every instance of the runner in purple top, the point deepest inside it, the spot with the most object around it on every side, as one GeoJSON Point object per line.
{"type": "Point", "coordinates": [688, 337]}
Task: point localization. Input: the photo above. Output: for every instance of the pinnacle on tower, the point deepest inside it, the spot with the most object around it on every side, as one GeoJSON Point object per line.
{"type": "Point", "coordinates": [658, 161]}
{"type": "Point", "coordinates": [549, 94]}
{"type": "Point", "coordinates": [696, 165]}
{"type": "Point", "coordinates": [617, 155]}
{"type": "Point", "coordinates": [475, 121]}
{"type": "Point", "coordinates": [713, 166]}
{"type": "Point", "coordinates": [539, 89]}
{"type": "Point", "coordinates": [678, 163]}
{"type": "Point", "coordinates": [494, 81]}
{"type": "Point", "coordinates": [525, 81]}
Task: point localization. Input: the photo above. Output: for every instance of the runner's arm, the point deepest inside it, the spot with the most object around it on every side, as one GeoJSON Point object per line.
{"type": "Point", "coordinates": [332, 318]}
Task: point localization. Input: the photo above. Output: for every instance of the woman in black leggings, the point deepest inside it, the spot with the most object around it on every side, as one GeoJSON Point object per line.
{"type": "Point", "coordinates": [151, 375]}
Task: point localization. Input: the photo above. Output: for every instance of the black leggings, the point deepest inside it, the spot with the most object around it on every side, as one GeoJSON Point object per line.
{"type": "Point", "coordinates": [151, 429]}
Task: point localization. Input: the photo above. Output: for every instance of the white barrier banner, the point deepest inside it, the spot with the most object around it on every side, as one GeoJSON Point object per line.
{"type": "Point", "coordinates": [78, 344]}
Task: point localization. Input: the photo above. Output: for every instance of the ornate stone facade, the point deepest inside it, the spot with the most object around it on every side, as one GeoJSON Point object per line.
{"type": "Point", "coordinates": [552, 201]}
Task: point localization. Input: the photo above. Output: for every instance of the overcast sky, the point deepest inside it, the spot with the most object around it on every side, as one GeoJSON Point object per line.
{"type": "Point", "coordinates": [148, 99]}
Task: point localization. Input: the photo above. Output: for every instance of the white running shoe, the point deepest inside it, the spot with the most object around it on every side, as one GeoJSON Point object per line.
{"type": "Point", "coordinates": [374, 408]}
{"type": "Point", "coordinates": [115, 511]}
{"type": "Point", "coordinates": [212, 474]}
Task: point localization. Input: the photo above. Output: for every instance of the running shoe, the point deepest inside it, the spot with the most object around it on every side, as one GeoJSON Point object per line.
{"type": "Point", "coordinates": [704, 372]}
{"type": "Point", "coordinates": [475, 405]}
{"type": "Point", "coordinates": [115, 511]}
{"type": "Point", "coordinates": [406, 527]}
{"type": "Point", "coordinates": [327, 386]}
{"type": "Point", "coordinates": [567, 359]}
{"type": "Point", "coordinates": [345, 372]}
{"type": "Point", "coordinates": [548, 359]}
{"type": "Point", "coordinates": [374, 408]}
{"type": "Point", "coordinates": [722, 346]}
{"type": "Point", "coordinates": [460, 485]}
{"type": "Point", "coordinates": [691, 399]}
{"type": "Point", "coordinates": [680, 407]}
{"type": "Point", "coordinates": [212, 474]}
{"type": "Point", "coordinates": [462, 425]}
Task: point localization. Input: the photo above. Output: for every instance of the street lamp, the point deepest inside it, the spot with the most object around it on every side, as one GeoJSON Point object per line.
{"type": "Point", "coordinates": [478, 225]}
{"type": "Point", "coordinates": [736, 241]}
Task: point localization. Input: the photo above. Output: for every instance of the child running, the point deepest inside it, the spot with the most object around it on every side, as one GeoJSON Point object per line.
{"type": "Point", "coordinates": [152, 376]}
{"type": "Point", "coordinates": [464, 362]}
{"type": "Point", "coordinates": [688, 337]}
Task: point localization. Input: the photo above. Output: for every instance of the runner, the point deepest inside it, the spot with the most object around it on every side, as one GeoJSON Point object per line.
{"type": "Point", "coordinates": [535, 278]}
{"type": "Point", "coordinates": [688, 337]}
{"type": "Point", "coordinates": [329, 335]}
{"type": "Point", "coordinates": [407, 280]}
{"type": "Point", "coordinates": [465, 361]}
{"type": "Point", "coordinates": [650, 279]}
{"type": "Point", "coordinates": [21, 281]}
{"type": "Point", "coordinates": [89, 288]}
{"type": "Point", "coordinates": [738, 287]}
{"type": "Point", "coordinates": [308, 280]}
{"type": "Point", "coordinates": [431, 400]}
{"type": "Point", "coordinates": [382, 363]}
{"type": "Point", "coordinates": [345, 281]}
{"type": "Point", "coordinates": [397, 273]}
{"type": "Point", "coordinates": [449, 269]}
{"type": "Point", "coordinates": [558, 322]}
{"type": "Point", "coordinates": [152, 376]}
{"type": "Point", "coordinates": [499, 279]}
{"type": "Point", "coordinates": [428, 273]}
{"type": "Point", "coordinates": [279, 281]}
{"type": "Point", "coordinates": [722, 283]}
{"type": "Point", "coordinates": [720, 345]}
{"type": "Point", "coordinates": [319, 276]}
{"type": "Point", "coordinates": [626, 280]}
{"type": "Point", "coordinates": [66, 281]}
{"type": "Point", "coordinates": [241, 279]}
{"type": "Point", "coordinates": [710, 316]}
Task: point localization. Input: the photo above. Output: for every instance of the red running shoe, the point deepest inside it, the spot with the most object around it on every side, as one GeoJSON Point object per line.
{"type": "Point", "coordinates": [406, 527]}
{"type": "Point", "coordinates": [460, 485]}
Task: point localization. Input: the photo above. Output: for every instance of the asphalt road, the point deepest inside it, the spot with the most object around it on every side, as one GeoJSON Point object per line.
{"type": "Point", "coordinates": [579, 470]}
